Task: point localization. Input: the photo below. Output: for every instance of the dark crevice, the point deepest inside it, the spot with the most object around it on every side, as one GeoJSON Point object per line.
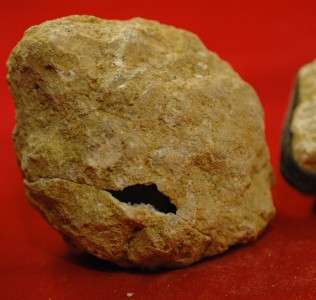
{"type": "Point", "coordinates": [145, 194]}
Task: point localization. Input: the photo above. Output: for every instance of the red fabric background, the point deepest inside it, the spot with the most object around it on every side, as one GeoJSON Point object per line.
{"type": "Point", "coordinates": [266, 42]}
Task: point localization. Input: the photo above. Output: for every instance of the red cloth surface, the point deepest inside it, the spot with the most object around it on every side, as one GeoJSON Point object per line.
{"type": "Point", "coordinates": [266, 42]}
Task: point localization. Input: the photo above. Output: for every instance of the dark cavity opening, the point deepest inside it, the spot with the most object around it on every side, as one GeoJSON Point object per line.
{"type": "Point", "coordinates": [145, 194]}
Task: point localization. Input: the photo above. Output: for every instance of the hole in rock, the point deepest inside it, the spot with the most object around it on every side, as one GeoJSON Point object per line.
{"type": "Point", "coordinates": [145, 194]}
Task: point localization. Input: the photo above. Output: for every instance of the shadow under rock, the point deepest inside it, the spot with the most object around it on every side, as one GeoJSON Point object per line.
{"type": "Point", "coordinates": [89, 261]}
{"type": "Point", "coordinates": [92, 262]}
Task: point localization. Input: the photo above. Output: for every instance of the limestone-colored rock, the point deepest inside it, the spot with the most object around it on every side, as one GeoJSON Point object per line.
{"type": "Point", "coordinates": [106, 105]}
{"type": "Point", "coordinates": [303, 126]}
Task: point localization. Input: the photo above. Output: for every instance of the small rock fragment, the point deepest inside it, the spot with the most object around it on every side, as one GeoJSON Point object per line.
{"type": "Point", "coordinates": [299, 138]}
{"type": "Point", "coordinates": [303, 125]}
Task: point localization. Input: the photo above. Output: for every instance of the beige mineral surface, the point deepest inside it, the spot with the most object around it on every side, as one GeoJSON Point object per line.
{"type": "Point", "coordinates": [303, 126]}
{"type": "Point", "coordinates": [137, 143]}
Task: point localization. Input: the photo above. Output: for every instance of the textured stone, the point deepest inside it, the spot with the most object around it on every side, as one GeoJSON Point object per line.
{"type": "Point", "coordinates": [303, 126]}
{"type": "Point", "coordinates": [103, 106]}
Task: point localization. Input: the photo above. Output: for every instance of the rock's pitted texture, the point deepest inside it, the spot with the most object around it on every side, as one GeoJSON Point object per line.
{"type": "Point", "coordinates": [303, 124]}
{"type": "Point", "coordinates": [138, 107]}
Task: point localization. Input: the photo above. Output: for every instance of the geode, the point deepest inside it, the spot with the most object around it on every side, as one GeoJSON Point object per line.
{"type": "Point", "coordinates": [298, 155]}
{"type": "Point", "coordinates": [137, 143]}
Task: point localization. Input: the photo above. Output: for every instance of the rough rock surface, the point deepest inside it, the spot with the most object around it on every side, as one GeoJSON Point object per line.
{"type": "Point", "coordinates": [303, 126]}
{"type": "Point", "coordinates": [103, 106]}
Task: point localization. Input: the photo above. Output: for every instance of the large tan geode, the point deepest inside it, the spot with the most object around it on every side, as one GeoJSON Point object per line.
{"type": "Point", "coordinates": [104, 105]}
